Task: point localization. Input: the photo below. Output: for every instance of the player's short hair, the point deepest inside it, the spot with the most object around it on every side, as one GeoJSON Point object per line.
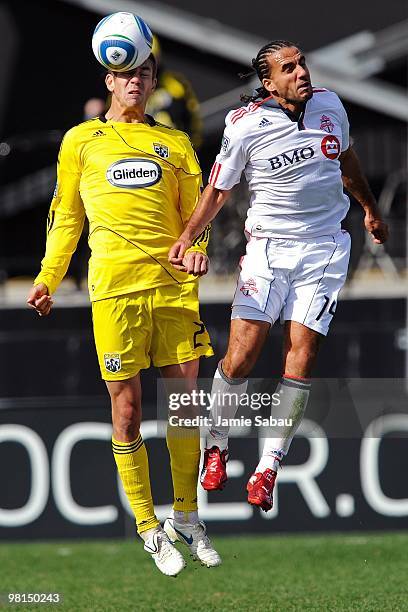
{"type": "Point", "coordinates": [150, 59]}
{"type": "Point", "coordinates": [153, 60]}
{"type": "Point", "coordinates": [261, 67]}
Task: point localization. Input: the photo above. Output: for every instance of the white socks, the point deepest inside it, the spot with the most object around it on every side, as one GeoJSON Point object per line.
{"type": "Point", "coordinates": [294, 395]}
{"type": "Point", "coordinates": [180, 517]}
{"type": "Point", "coordinates": [190, 518]}
{"type": "Point", "coordinates": [146, 535]}
{"type": "Point", "coordinates": [227, 393]}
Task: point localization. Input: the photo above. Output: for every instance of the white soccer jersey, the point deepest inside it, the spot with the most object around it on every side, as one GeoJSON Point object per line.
{"type": "Point", "coordinates": [292, 166]}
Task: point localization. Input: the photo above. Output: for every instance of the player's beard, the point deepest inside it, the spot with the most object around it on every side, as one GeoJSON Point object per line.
{"type": "Point", "coordinates": [299, 100]}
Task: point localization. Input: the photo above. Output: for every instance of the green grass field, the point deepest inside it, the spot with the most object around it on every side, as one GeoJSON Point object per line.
{"type": "Point", "coordinates": [278, 573]}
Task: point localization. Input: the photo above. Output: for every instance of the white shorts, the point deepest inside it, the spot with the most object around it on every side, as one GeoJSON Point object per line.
{"type": "Point", "coordinates": [297, 279]}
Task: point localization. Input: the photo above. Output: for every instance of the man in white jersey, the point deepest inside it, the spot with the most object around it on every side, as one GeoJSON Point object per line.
{"type": "Point", "coordinates": [292, 142]}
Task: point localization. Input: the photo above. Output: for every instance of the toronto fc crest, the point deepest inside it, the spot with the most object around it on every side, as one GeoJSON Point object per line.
{"type": "Point", "coordinates": [249, 287]}
{"type": "Point", "coordinates": [326, 124]}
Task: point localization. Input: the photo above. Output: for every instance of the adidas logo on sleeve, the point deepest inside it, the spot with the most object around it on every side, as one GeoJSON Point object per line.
{"type": "Point", "coordinates": [264, 122]}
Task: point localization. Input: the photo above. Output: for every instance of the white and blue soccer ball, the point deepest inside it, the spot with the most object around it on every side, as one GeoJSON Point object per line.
{"type": "Point", "coordinates": [122, 41]}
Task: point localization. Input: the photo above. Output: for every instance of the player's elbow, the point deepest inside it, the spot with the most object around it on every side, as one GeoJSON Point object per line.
{"type": "Point", "coordinates": [224, 194]}
{"type": "Point", "coordinates": [216, 196]}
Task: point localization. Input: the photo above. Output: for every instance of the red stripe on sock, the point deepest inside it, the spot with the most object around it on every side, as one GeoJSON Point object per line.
{"type": "Point", "coordinates": [296, 377]}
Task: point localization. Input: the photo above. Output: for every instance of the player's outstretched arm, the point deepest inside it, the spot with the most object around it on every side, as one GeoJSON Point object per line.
{"type": "Point", "coordinates": [40, 299]}
{"type": "Point", "coordinates": [356, 183]}
{"type": "Point", "coordinates": [210, 204]}
{"type": "Point", "coordinates": [65, 218]}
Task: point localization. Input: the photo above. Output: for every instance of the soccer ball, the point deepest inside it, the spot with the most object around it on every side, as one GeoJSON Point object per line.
{"type": "Point", "coordinates": [122, 41]}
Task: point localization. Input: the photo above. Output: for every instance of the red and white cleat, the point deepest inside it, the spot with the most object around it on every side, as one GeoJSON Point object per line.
{"type": "Point", "coordinates": [260, 489]}
{"type": "Point", "coordinates": [214, 473]}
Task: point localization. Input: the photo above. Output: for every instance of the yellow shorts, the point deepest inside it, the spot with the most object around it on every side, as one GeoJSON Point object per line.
{"type": "Point", "coordinates": [160, 326]}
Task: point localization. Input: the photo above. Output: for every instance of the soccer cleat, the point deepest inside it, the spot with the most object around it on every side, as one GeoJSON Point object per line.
{"type": "Point", "coordinates": [195, 537]}
{"type": "Point", "coordinates": [167, 558]}
{"type": "Point", "coordinates": [214, 473]}
{"type": "Point", "coordinates": [260, 489]}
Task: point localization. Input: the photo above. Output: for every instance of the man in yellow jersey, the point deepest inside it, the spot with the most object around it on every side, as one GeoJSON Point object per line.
{"type": "Point", "coordinates": [138, 183]}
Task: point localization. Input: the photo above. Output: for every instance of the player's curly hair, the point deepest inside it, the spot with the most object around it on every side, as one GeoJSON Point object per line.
{"type": "Point", "coordinates": [261, 67]}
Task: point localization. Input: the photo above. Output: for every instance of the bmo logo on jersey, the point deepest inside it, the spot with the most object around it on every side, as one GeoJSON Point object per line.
{"type": "Point", "coordinates": [134, 173]}
{"type": "Point", "coordinates": [288, 158]}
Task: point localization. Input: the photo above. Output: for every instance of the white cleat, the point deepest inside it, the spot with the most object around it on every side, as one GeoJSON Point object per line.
{"type": "Point", "coordinates": [167, 558]}
{"type": "Point", "coordinates": [195, 537]}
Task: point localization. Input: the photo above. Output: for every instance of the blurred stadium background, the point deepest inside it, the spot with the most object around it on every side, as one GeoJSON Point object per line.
{"type": "Point", "coordinates": [54, 427]}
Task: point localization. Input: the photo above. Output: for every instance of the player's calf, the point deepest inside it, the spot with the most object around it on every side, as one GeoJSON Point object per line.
{"type": "Point", "coordinates": [226, 393]}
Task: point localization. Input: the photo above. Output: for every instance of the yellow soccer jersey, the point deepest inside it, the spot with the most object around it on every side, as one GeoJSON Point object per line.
{"type": "Point", "coordinates": [138, 184]}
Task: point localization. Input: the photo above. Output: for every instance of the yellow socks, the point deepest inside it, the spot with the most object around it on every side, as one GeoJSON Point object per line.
{"type": "Point", "coordinates": [133, 468]}
{"type": "Point", "coordinates": [184, 448]}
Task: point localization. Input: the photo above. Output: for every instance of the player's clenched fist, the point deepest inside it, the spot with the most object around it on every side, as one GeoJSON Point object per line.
{"type": "Point", "coordinates": [176, 253]}
{"type": "Point", "coordinates": [377, 228]}
{"type": "Point", "coordinates": [40, 300]}
{"type": "Point", "coordinates": [195, 263]}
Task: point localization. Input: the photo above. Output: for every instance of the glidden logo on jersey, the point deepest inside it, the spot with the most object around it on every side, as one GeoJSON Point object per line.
{"type": "Point", "coordinates": [134, 173]}
{"type": "Point", "coordinates": [331, 147]}
{"type": "Point", "coordinates": [291, 157]}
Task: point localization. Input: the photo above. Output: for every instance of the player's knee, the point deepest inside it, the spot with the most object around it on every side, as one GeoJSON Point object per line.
{"type": "Point", "coordinates": [125, 420]}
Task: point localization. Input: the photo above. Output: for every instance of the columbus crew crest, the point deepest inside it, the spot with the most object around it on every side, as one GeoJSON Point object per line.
{"type": "Point", "coordinates": [112, 362]}
{"type": "Point", "coordinates": [161, 150]}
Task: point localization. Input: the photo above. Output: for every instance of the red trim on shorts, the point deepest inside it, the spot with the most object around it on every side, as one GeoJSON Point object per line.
{"type": "Point", "coordinates": [319, 90]}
